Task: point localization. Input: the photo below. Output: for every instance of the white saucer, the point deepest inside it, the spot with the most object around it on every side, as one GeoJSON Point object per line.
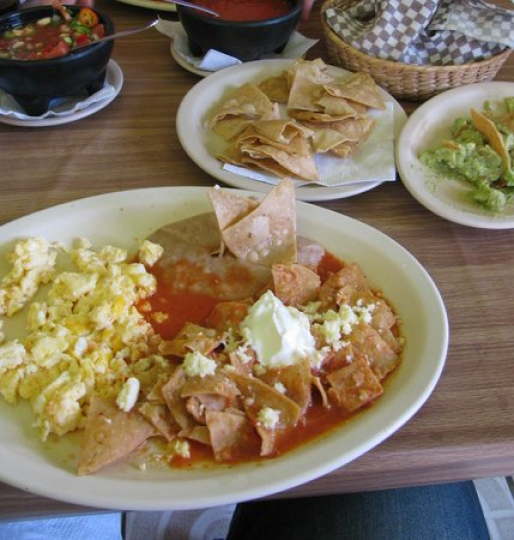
{"type": "Point", "coordinates": [182, 62]}
{"type": "Point", "coordinates": [113, 76]}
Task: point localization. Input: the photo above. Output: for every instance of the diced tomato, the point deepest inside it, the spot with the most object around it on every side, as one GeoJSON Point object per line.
{"type": "Point", "coordinates": [99, 31]}
{"type": "Point", "coordinates": [61, 49]}
{"type": "Point", "coordinates": [82, 39]}
{"type": "Point", "coordinates": [87, 17]}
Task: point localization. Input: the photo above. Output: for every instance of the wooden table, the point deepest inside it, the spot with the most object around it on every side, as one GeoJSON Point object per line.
{"type": "Point", "coordinates": [466, 428]}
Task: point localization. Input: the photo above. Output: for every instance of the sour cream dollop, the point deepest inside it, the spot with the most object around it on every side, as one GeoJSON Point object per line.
{"type": "Point", "coordinates": [279, 335]}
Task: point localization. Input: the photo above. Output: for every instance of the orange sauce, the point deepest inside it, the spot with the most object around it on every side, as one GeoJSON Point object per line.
{"type": "Point", "coordinates": [181, 308]}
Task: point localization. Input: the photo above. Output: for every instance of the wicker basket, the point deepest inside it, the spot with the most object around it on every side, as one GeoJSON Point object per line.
{"type": "Point", "coordinates": [405, 81]}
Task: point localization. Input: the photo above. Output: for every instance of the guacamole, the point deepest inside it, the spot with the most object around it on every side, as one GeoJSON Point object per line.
{"type": "Point", "coordinates": [469, 155]}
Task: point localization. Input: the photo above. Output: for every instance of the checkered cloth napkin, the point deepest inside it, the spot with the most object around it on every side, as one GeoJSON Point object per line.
{"type": "Point", "coordinates": [436, 32]}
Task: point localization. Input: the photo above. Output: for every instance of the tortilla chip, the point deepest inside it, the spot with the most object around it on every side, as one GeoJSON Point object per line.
{"type": "Point", "coordinates": [295, 285]}
{"type": "Point", "coordinates": [217, 384]}
{"type": "Point", "coordinates": [267, 235]}
{"type": "Point", "coordinates": [493, 136]}
{"type": "Point", "coordinates": [229, 207]}
{"type": "Point", "coordinates": [300, 164]}
{"type": "Point", "coordinates": [110, 434]}
{"type": "Point", "coordinates": [282, 135]}
{"type": "Point", "coordinates": [315, 70]}
{"type": "Point", "coordinates": [171, 392]}
{"type": "Point", "coordinates": [276, 88]}
{"type": "Point", "coordinates": [336, 106]}
{"type": "Point", "coordinates": [232, 435]}
{"type": "Point", "coordinates": [227, 315]}
{"type": "Point", "coordinates": [246, 101]}
{"type": "Point", "coordinates": [366, 341]}
{"type": "Point", "coordinates": [259, 395]}
{"type": "Point", "coordinates": [354, 385]}
{"type": "Point", "coordinates": [197, 433]}
{"type": "Point", "coordinates": [191, 338]}
{"type": "Point", "coordinates": [305, 94]}
{"type": "Point", "coordinates": [342, 138]}
{"type": "Point", "coordinates": [160, 417]}
{"type": "Point", "coordinates": [229, 128]}
{"type": "Point", "coordinates": [197, 406]}
{"type": "Point", "coordinates": [360, 88]}
{"type": "Point", "coordinates": [296, 380]}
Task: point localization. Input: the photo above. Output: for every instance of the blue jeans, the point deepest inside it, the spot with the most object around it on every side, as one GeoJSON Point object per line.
{"type": "Point", "coordinates": [443, 512]}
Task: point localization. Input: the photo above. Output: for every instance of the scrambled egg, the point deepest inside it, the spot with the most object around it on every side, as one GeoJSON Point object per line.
{"type": "Point", "coordinates": [86, 335]}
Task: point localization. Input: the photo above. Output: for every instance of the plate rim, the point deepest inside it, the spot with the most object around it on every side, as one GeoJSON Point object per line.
{"type": "Point", "coordinates": [107, 498]}
{"type": "Point", "coordinates": [305, 193]}
{"type": "Point", "coordinates": [417, 188]}
{"type": "Point", "coordinates": [150, 4]}
{"type": "Point", "coordinates": [113, 70]}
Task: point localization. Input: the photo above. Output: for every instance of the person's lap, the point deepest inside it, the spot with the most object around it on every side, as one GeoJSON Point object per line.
{"type": "Point", "coordinates": [445, 512]}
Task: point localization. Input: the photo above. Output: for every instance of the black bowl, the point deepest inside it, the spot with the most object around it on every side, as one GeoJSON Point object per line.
{"type": "Point", "coordinates": [244, 40]}
{"type": "Point", "coordinates": [34, 83]}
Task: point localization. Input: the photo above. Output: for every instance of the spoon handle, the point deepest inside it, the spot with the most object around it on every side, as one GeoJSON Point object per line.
{"type": "Point", "coordinates": [123, 33]}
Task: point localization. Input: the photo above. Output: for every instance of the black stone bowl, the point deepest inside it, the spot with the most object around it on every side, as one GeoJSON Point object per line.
{"type": "Point", "coordinates": [244, 40]}
{"type": "Point", "coordinates": [34, 83]}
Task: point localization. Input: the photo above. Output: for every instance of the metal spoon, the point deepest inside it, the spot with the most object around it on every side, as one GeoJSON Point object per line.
{"type": "Point", "coordinates": [193, 6]}
{"type": "Point", "coordinates": [123, 33]}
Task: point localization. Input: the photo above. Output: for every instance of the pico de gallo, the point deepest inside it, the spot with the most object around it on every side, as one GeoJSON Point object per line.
{"type": "Point", "coordinates": [52, 36]}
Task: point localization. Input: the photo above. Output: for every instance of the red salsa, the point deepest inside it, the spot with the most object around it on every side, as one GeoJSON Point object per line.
{"type": "Point", "coordinates": [52, 36]}
{"type": "Point", "coordinates": [247, 10]}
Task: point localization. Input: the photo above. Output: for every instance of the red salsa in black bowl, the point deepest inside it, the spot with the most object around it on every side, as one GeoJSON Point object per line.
{"type": "Point", "coordinates": [42, 55]}
{"type": "Point", "coordinates": [246, 29]}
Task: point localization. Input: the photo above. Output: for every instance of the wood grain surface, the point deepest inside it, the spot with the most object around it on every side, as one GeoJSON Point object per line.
{"type": "Point", "coordinates": [466, 428]}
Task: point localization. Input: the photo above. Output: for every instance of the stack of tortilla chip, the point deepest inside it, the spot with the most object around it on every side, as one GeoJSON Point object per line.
{"type": "Point", "coordinates": [324, 114]}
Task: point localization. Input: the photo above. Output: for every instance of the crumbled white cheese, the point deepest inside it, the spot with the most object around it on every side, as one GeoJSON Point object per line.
{"type": "Point", "coordinates": [181, 448]}
{"type": "Point", "coordinates": [128, 394]}
{"type": "Point", "coordinates": [268, 417]}
{"type": "Point", "coordinates": [279, 387]}
{"type": "Point", "coordinates": [196, 364]}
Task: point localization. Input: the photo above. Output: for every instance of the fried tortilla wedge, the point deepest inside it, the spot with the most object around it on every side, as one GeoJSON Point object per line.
{"type": "Point", "coordinates": [110, 435]}
{"type": "Point", "coordinates": [493, 136]}
{"type": "Point", "coordinates": [276, 88]}
{"type": "Point", "coordinates": [267, 235]}
{"type": "Point", "coordinates": [242, 105]}
{"type": "Point", "coordinates": [359, 87]}
{"type": "Point", "coordinates": [229, 207]}
{"type": "Point", "coordinates": [287, 135]}
{"type": "Point", "coordinates": [246, 100]}
{"type": "Point", "coordinates": [300, 164]}
{"type": "Point", "coordinates": [315, 70]}
{"type": "Point", "coordinates": [346, 134]}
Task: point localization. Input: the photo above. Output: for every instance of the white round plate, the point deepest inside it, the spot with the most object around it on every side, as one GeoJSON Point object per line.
{"type": "Point", "coordinates": [121, 218]}
{"type": "Point", "coordinates": [159, 5]}
{"type": "Point", "coordinates": [113, 76]}
{"type": "Point", "coordinates": [426, 128]}
{"type": "Point", "coordinates": [200, 142]}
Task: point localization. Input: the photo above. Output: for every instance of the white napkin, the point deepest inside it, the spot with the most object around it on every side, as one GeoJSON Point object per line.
{"type": "Point", "coordinates": [213, 60]}
{"type": "Point", "coordinates": [58, 107]}
{"type": "Point", "coordinates": [373, 161]}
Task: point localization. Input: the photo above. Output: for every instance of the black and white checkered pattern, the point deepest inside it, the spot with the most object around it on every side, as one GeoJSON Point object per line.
{"type": "Point", "coordinates": [436, 32]}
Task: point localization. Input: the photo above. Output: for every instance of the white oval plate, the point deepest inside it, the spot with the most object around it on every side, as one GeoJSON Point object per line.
{"type": "Point", "coordinates": [426, 128]}
{"type": "Point", "coordinates": [113, 76]}
{"type": "Point", "coordinates": [196, 139]}
{"type": "Point", "coordinates": [121, 218]}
